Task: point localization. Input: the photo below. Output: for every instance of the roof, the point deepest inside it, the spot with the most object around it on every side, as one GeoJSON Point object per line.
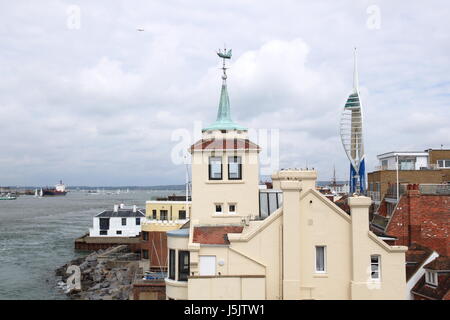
{"type": "Point", "coordinates": [121, 213]}
{"type": "Point", "coordinates": [214, 234]}
{"type": "Point", "coordinates": [224, 144]}
{"type": "Point", "coordinates": [441, 263]}
{"type": "Point", "coordinates": [431, 292]}
{"type": "Point", "coordinates": [223, 121]}
{"type": "Point", "coordinates": [181, 233]}
{"type": "Point", "coordinates": [401, 153]}
{"type": "Point", "coordinates": [415, 257]}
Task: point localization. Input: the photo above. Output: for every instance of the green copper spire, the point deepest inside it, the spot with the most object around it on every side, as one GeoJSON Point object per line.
{"type": "Point", "coordinates": [223, 121]}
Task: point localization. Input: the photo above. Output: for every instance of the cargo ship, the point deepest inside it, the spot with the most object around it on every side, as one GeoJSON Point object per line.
{"type": "Point", "coordinates": [58, 190]}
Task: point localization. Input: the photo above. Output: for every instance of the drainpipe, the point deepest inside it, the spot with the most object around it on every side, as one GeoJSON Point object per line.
{"type": "Point", "coordinates": [398, 186]}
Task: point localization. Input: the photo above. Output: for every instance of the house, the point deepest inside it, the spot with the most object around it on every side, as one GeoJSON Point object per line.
{"type": "Point", "coordinates": [431, 166]}
{"type": "Point", "coordinates": [119, 222]}
{"type": "Point", "coordinates": [421, 216]}
{"type": "Point", "coordinates": [308, 248]}
{"type": "Point", "coordinates": [435, 283]}
{"type": "Point", "coordinates": [161, 216]}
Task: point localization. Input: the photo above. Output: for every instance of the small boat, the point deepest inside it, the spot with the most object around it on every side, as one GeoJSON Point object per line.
{"type": "Point", "coordinates": [8, 196]}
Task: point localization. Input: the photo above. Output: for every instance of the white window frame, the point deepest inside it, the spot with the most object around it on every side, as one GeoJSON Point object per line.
{"type": "Point", "coordinates": [443, 163]}
{"type": "Point", "coordinates": [378, 264]}
{"type": "Point", "coordinates": [431, 278]}
{"type": "Point", "coordinates": [324, 259]}
{"type": "Point", "coordinates": [235, 206]}
{"type": "Point", "coordinates": [215, 208]}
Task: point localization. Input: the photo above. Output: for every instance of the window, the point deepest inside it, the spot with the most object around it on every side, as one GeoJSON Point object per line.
{"type": "Point", "coordinates": [183, 265]}
{"type": "Point", "coordinates": [218, 208]}
{"type": "Point", "coordinates": [154, 214]}
{"type": "Point", "coordinates": [215, 168]}
{"type": "Point", "coordinates": [207, 265]}
{"type": "Point", "coordinates": [232, 208]}
{"type": "Point", "coordinates": [320, 259]}
{"type": "Point", "coordinates": [172, 264]}
{"type": "Point", "coordinates": [182, 214]}
{"type": "Point", "coordinates": [375, 267]}
{"type": "Point", "coordinates": [124, 221]}
{"type": "Point", "coordinates": [234, 168]}
{"type": "Point", "coordinates": [144, 254]}
{"type": "Point", "coordinates": [119, 232]}
{"type": "Point", "coordinates": [103, 232]}
{"type": "Point", "coordinates": [406, 164]}
{"type": "Point", "coordinates": [384, 164]}
{"type": "Point", "coordinates": [443, 163]}
{"type": "Point", "coordinates": [163, 214]}
{"type": "Point", "coordinates": [138, 221]}
{"type": "Point", "coordinates": [431, 278]}
{"type": "Point", "coordinates": [145, 235]}
{"type": "Point", "coordinates": [104, 223]}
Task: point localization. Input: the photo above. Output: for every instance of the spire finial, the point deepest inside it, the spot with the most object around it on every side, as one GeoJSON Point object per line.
{"type": "Point", "coordinates": [355, 73]}
{"type": "Point", "coordinates": [224, 55]}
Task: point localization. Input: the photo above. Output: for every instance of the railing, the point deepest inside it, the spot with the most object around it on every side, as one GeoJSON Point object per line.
{"type": "Point", "coordinates": [434, 189]}
{"type": "Point", "coordinates": [392, 191]}
{"type": "Point", "coordinates": [427, 167]}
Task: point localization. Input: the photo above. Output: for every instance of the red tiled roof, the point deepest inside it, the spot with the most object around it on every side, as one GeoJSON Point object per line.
{"type": "Point", "coordinates": [441, 263]}
{"type": "Point", "coordinates": [415, 257]}
{"type": "Point", "coordinates": [224, 144]}
{"type": "Point", "coordinates": [436, 293]}
{"type": "Point", "coordinates": [214, 234]}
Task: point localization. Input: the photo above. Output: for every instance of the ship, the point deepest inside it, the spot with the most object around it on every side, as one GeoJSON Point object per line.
{"type": "Point", "coordinates": [58, 190]}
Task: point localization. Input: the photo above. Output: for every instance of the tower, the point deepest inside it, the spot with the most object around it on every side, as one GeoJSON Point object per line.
{"type": "Point", "coordinates": [225, 168]}
{"type": "Point", "coordinates": [351, 130]}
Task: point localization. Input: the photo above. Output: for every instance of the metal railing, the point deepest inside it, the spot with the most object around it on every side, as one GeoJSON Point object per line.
{"type": "Point", "coordinates": [434, 189]}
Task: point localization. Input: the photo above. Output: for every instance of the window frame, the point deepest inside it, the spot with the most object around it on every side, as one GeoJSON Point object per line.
{"type": "Point", "coordinates": [239, 163]}
{"type": "Point", "coordinates": [221, 208]}
{"type": "Point", "coordinates": [124, 221]}
{"type": "Point", "coordinates": [166, 214]}
{"type": "Point", "coordinates": [324, 262]}
{"type": "Point", "coordinates": [138, 221]}
{"type": "Point", "coordinates": [103, 232]}
{"type": "Point", "coordinates": [378, 264]}
{"type": "Point", "coordinates": [118, 232]}
{"type": "Point", "coordinates": [145, 254]}
{"type": "Point", "coordinates": [145, 235]}
{"type": "Point", "coordinates": [154, 214]}
{"type": "Point", "coordinates": [210, 168]}
{"type": "Point", "coordinates": [183, 269]}
{"type": "Point", "coordinates": [171, 267]}
{"type": "Point", "coordinates": [232, 205]}
{"type": "Point", "coordinates": [179, 214]}
{"type": "Point", "coordinates": [431, 278]}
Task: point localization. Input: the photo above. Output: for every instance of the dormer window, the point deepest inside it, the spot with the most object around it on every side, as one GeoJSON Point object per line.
{"type": "Point", "coordinates": [431, 278]}
{"type": "Point", "coordinates": [215, 168]}
{"type": "Point", "coordinates": [234, 168]}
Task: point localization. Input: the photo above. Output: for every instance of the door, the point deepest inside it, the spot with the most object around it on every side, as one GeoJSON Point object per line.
{"type": "Point", "coordinates": [207, 265]}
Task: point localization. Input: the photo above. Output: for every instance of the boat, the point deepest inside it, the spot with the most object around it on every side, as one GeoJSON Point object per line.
{"type": "Point", "coordinates": [58, 190]}
{"type": "Point", "coordinates": [8, 196]}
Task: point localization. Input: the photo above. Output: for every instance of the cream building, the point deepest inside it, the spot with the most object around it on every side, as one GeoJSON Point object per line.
{"type": "Point", "coordinates": [307, 249]}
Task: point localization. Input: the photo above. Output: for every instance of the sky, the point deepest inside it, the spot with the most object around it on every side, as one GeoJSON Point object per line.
{"type": "Point", "coordinates": [87, 98]}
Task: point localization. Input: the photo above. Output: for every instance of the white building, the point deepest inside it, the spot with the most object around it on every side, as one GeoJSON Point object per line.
{"type": "Point", "coordinates": [119, 222]}
{"type": "Point", "coordinates": [407, 160]}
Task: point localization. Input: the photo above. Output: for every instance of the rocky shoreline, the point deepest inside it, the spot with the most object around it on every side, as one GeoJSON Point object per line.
{"type": "Point", "coordinates": [105, 275]}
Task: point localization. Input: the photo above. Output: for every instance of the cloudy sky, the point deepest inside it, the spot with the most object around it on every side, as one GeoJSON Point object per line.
{"type": "Point", "coordinates": [87, 98]}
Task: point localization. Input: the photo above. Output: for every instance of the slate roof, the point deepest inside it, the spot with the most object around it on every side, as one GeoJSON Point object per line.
{"type": "Point", "coordinates": [415, 257]}
{"type": "Point", "coordinates": [214, 234]}
{"type": "Point", "coordinates": [121, 213]}
{"type": "Point", "coordinates": [441, 263]}
{"type": "Point", "coordinates": [224, 144]}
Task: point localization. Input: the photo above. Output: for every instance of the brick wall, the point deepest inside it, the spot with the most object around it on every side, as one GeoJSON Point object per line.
{"type": "Point", "coordinates": [157, 248]}
{"type": "Point", "coordinates": [422, 219]}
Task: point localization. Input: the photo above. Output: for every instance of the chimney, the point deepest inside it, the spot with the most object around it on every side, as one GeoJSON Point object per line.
{"type": "Point", "coordinates": [359, 212]}
{"type": "Point", "coordinates": [134, 208]}
{"type": "Point", "coordinates": [122, 206]}
{"type": "Point", "coordinates": [116, 208]}
{"type": "Point", "coordinates": [293, 183]}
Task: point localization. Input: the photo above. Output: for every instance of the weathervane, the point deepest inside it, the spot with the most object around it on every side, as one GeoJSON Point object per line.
{"type": "Point", "coordinates": [224, 55]}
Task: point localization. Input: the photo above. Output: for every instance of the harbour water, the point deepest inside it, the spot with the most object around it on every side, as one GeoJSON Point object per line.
{"type": "Point", "coordinates": [37, 236]}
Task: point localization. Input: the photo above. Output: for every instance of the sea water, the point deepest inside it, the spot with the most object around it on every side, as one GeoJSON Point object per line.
{"type": "Point", "coordinates": [37, 236]}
